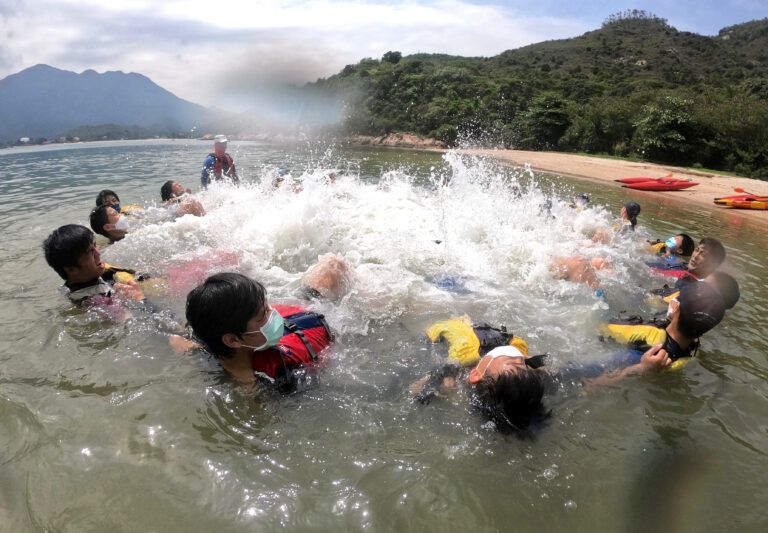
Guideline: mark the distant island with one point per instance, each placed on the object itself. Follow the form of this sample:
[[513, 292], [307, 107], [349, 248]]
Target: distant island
[[635, 88]]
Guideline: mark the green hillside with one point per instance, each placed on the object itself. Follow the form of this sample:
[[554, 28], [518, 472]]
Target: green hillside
[[635, 87]]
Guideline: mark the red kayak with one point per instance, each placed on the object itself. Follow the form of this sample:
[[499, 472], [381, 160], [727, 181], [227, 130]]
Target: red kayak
[[640, 179], [662, 185]]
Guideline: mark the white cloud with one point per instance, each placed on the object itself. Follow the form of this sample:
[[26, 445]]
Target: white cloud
[[200, 50]]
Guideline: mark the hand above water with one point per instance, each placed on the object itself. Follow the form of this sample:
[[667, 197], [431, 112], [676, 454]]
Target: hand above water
[[130, 290], [181, 345], [656, 358]]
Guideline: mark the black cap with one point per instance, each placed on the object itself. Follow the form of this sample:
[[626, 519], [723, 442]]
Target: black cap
[[701, 308]]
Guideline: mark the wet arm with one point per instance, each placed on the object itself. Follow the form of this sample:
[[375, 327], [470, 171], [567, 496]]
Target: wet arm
[[653, 360]]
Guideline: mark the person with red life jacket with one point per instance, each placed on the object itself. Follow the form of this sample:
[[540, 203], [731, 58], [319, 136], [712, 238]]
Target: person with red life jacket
[[219, 164], [252, 338]]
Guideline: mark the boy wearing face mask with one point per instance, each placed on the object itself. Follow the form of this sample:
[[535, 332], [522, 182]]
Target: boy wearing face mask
[[252, 338], [109, 222]]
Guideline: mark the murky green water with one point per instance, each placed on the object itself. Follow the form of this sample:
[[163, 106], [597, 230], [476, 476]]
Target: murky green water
[[103, 427]]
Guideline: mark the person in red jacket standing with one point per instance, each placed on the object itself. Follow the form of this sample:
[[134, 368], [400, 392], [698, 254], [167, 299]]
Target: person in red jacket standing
[[218, 165]]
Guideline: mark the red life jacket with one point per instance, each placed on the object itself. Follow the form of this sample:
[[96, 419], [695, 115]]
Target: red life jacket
[[223, 166], [305, 336]]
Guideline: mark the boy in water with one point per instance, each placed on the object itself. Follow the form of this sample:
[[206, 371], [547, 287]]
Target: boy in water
[[109, 222], [506, 385], [255, 340], [71, 251], [175, 196]]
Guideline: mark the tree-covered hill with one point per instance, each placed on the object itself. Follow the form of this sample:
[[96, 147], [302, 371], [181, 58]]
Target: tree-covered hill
[[634, 87]]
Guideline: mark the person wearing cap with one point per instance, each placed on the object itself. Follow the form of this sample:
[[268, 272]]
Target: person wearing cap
[[698, 308], [627, 223], [629, 213], [506, 384], [219, 164]]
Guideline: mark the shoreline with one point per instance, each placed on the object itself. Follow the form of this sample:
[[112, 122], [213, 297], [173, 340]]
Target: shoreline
[[601, 170]]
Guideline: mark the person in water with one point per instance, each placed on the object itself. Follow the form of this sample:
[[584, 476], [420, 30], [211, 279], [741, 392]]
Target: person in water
[[218, 165], [705, 259], [173, 191], [506, 384], [579, 269], [109, 222], [110, 198], [71, 251], [254, 340], [698, 308], [725, 284], [681, 245], [627, 223], [174, 195], [629, 214]]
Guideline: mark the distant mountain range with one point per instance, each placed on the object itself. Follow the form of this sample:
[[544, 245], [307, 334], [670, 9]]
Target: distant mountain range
[[43, 101]]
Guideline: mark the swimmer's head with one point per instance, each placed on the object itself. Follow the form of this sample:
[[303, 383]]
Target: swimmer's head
[[220, 144], [680, 244], [106, 221], [171, 189], [630, 211], [71, 252], [513, 399], [107, 197], [580, 200], [220, 309], [707, 257], [697, 309]]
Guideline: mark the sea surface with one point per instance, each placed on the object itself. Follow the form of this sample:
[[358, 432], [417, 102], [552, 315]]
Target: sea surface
[[104, 428]]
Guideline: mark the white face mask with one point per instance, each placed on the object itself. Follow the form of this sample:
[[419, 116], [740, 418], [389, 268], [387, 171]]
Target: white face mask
[[122, 223]]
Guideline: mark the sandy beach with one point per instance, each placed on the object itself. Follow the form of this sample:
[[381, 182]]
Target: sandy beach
[[606, 170]]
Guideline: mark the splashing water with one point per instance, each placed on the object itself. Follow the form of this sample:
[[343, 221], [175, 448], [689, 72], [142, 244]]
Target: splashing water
[[490, 232]]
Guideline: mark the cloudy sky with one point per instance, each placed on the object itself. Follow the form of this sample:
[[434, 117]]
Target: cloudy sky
[[215, 52]]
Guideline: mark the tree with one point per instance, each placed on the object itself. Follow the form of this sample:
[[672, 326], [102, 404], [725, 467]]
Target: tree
[[664, 130], [392, 57]]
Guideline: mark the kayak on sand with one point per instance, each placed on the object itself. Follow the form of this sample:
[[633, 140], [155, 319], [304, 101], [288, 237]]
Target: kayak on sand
[[661, 185]]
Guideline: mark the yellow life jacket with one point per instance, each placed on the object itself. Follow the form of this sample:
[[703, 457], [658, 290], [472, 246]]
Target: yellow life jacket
[[657, 248], [131, 209], [463, 340], [639, 335]]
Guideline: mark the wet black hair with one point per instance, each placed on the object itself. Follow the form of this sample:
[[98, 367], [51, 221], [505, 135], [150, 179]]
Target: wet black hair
[[633, 209], [166, 191], [103, 194], [98, 219], [715, 248], [687, 246], [65, 246], [728, 288], [701, 309], [223, 303], [513, 400]]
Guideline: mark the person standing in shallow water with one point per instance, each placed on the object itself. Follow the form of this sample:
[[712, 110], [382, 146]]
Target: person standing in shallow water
[[219, 164]]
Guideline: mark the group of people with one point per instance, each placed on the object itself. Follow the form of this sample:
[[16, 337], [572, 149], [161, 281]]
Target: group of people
[[254, 339]]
